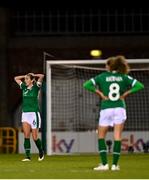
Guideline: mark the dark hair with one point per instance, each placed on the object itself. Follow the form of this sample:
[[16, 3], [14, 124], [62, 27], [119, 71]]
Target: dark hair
[[31, 76]]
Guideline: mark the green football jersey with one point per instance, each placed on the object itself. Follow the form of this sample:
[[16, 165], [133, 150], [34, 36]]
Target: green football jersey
[[30, 98], [113, 85]]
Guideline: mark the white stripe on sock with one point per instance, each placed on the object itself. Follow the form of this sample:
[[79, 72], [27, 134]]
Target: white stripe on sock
[[116, 153], [103, 151]]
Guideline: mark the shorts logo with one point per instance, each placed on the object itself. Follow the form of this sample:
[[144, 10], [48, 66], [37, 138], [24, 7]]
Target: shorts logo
[[34, 122]]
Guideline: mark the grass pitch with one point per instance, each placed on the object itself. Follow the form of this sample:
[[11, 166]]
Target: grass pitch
[[72, 167]]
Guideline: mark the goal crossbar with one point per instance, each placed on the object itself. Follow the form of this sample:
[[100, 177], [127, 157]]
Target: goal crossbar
[[58, 62]]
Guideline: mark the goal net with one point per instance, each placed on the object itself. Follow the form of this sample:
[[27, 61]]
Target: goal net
[[73, 112]]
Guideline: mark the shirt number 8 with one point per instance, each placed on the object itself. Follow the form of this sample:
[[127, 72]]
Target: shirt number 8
[[114, 94]]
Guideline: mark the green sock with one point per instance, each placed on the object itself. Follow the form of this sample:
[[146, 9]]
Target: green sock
[[27, 147], [116, 151], [39, 145], [102, 150]]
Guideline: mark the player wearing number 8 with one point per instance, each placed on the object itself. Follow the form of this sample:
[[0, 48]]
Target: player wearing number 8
[[112, 86]]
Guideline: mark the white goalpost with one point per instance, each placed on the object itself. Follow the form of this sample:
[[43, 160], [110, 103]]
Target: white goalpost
[[64, 79]]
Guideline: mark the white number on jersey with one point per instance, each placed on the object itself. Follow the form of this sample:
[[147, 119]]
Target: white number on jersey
[[114, 93]]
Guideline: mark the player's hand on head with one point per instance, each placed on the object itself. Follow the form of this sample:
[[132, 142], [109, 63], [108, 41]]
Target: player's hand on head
[[32, 74]]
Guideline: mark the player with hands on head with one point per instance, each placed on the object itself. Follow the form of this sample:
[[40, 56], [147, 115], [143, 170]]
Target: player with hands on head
[[31, 120]]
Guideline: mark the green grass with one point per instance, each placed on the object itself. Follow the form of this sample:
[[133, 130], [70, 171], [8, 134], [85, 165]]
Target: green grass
[[72, 167]]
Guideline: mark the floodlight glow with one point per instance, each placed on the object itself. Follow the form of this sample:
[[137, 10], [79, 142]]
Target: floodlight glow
[[96, 53]]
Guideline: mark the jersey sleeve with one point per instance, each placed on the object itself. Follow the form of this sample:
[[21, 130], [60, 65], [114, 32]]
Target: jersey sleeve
[[137, 87], [96, 80], [39, 84], [22, 85], [135, 84], [91, 85], [130, 80]]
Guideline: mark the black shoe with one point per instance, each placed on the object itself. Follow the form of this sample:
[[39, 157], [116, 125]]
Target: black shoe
[[41, 156]]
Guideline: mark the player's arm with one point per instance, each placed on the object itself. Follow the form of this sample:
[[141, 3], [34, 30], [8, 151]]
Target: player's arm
[[89, 85], [18, 79], [40, 78], [135, 88], [100, 94]]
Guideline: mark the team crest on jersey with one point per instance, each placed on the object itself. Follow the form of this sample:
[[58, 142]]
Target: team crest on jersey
[[25, 92]]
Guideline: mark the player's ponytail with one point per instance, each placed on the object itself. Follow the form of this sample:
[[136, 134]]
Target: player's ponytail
[[110, 63], [121, 65]]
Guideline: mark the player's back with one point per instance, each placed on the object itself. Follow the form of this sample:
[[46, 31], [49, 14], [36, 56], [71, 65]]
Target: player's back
[[113, 85]]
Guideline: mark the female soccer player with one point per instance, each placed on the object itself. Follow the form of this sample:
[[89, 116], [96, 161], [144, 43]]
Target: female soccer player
[[114, 86], [31, 120]]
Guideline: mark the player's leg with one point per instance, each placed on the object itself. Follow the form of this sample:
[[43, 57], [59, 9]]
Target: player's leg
[[102, 131], [118, 128], [27, 145], [35, 129], [120, 117], [38, 143]]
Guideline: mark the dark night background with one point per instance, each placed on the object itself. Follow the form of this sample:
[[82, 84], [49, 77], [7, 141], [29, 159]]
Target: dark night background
[[66, 33]]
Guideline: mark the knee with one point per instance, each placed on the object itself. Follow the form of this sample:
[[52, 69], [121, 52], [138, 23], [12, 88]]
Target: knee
[[101, 134], [117, 137], [27, 135], [35, 137]]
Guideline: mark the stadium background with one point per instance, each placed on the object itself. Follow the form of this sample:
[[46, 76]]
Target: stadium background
[[27, 32]]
